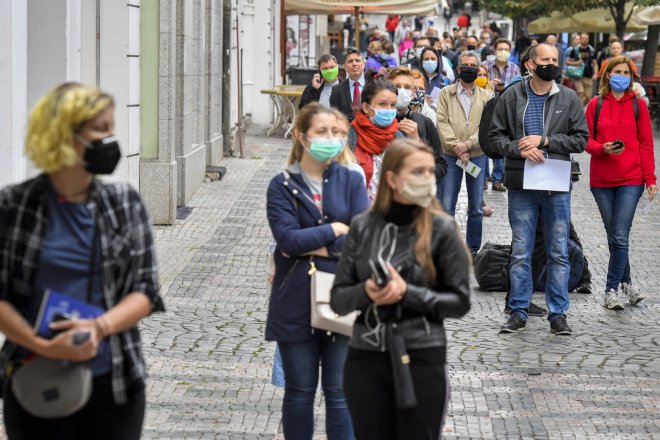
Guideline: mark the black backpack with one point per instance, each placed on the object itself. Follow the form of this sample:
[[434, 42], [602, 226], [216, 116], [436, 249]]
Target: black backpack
[[484, 128], [491, 266]]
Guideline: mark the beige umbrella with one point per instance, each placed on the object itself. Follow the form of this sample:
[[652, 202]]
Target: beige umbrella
[[648, 16], [593, 20], [601, 20], [386, 7], [557, 22]]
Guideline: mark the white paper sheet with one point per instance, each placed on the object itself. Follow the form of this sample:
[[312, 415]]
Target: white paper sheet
[[470, 168], [435, 94], [647, 207], [550, 175]]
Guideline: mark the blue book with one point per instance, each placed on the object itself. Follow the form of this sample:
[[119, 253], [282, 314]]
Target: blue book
[[57, 303]]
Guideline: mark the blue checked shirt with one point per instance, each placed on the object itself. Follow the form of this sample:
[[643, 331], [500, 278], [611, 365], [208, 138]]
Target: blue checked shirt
[[506, 75], [129, 262]]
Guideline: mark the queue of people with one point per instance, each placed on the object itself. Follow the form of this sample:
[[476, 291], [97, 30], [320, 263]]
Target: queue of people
[[408, 183], [368, 195]]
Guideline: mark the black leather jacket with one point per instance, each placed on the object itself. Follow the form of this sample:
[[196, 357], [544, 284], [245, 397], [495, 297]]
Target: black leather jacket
[[421, 311]]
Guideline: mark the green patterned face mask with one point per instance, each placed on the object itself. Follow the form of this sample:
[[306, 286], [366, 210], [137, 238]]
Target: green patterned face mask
[[330, 75]]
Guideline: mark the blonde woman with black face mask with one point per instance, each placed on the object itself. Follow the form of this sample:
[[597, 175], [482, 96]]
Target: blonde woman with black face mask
[[405, 267], [67, 234]]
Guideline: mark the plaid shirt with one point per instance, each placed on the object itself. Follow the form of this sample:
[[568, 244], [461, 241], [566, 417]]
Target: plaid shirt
[[510, 71], [129, 263]]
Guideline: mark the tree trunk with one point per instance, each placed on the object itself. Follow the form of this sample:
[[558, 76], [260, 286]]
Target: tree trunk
[[648, 68], [620, 18]]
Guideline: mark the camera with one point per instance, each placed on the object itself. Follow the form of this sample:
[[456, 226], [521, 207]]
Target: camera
[[404, 113]]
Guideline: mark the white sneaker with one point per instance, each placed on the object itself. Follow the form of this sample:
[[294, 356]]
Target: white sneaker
[[612, 301], [632, 292]]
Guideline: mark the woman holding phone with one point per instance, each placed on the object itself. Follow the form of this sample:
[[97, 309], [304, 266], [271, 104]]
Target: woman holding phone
[[405, 266], [622, 166]]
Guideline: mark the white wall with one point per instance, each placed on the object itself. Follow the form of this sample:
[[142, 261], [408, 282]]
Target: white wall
[[257, 26], [13, 90]]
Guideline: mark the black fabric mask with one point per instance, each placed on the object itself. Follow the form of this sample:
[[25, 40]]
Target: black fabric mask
[[547, 72], [102, 156], [471, 47], [469, 74]]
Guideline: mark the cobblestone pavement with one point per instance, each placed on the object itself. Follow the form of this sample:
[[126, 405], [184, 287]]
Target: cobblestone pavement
[[210, 368]]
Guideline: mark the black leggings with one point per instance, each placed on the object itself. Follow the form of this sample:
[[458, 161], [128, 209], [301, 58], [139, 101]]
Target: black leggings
[[369, 392], [100, 419]]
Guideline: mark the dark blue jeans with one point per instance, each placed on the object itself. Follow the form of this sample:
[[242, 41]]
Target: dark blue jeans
[[524, 209], [301, 372], [498, 170], [451, 186], [617, 206]]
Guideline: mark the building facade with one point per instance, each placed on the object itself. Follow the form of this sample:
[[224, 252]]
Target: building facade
[[172, 66]]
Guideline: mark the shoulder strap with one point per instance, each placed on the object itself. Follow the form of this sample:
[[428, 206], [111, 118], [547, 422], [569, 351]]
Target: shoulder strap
[[636, 109], [598, 107]]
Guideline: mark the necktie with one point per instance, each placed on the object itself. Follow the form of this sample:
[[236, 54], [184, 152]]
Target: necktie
[[356, 96]]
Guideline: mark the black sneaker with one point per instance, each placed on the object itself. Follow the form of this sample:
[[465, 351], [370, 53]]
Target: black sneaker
[[558, 326], [534, 310], [583, 288], [514, 324]]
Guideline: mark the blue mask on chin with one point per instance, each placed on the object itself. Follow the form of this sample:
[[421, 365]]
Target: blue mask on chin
[[383, 117]]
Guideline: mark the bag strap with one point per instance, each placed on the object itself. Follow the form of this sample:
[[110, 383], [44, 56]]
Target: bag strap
[[90, 279], [636, 109], [598, 107]]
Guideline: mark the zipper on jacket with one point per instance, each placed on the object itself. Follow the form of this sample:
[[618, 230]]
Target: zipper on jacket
[[288, 274]]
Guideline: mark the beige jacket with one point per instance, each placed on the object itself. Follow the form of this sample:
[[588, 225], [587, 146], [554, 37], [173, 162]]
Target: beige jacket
[[452, 125]]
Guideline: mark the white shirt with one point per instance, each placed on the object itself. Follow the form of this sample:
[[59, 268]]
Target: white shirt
[[325, 93]]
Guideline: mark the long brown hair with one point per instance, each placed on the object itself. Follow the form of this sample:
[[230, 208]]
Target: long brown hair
[[615, 61], [395, 155]]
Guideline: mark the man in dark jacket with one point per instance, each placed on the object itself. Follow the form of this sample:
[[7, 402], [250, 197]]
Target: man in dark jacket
[[536, 125], [322, 82], [346, 96]]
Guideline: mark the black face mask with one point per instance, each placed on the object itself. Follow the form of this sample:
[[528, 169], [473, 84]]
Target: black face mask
[[471, 47], [547, 72], [469, 74], [102, 156]]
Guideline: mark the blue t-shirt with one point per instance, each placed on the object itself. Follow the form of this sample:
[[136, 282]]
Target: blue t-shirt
[[64, 264], [534, 113]]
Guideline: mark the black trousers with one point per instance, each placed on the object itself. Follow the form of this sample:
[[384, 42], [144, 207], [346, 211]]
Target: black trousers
[[100, 419], [369, 392]]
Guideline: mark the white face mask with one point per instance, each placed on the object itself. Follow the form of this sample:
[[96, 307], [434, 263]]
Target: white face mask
[[419, 191], [403, 98]]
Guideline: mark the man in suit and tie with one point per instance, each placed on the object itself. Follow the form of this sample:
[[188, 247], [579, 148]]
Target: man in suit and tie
[[346, 96]]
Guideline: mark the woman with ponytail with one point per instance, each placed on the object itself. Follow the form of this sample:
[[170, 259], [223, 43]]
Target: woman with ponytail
[[404, 265]]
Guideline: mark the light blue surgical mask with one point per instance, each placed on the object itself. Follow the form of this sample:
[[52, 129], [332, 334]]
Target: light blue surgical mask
[[430, 66], [619, 83], [383, 117], [324, 149]]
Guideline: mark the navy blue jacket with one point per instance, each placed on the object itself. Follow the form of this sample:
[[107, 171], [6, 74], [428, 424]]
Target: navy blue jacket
[[298, 228]]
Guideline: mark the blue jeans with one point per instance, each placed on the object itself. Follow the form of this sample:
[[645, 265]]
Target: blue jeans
[[524, 209], [451, 186], [498, 170], [301, 371], [617, 208]]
